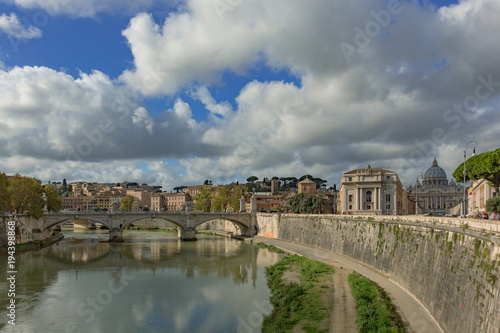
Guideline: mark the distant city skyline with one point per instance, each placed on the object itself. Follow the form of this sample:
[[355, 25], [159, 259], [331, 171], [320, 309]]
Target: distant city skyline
[[172, 93]]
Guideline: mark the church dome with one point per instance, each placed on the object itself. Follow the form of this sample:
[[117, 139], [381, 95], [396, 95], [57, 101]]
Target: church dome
[[435, 172]]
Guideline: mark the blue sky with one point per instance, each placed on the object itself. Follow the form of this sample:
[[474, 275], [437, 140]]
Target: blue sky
[[176, 92]]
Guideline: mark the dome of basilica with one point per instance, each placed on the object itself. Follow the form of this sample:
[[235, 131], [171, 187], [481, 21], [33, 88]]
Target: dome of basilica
[[435, 172]]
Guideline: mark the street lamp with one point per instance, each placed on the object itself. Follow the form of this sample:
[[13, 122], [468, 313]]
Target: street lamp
[[421, 175], [473, 145], [383, 199]]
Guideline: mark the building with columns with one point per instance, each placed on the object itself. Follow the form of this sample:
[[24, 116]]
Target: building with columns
[[435, 195], [372, 191]]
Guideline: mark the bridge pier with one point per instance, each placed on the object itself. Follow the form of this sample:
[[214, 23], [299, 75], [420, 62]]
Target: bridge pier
[[186, 221], [116, 235], [188, 234]]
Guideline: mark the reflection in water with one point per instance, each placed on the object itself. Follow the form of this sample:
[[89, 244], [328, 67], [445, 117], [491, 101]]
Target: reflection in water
[[151, 283]]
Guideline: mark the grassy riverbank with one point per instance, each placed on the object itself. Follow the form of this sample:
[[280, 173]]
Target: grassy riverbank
[[271, 248], [301, 294], [375, 311]]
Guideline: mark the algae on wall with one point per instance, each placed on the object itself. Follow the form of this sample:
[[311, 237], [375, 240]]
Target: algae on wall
[[453, 272]]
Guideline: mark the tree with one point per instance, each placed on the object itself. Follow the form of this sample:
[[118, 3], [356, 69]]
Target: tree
[[304, 177], [221, 199], [4, 194], [26, 196], [482, 166], [236, 193], [252, 179], [319, 182], [53, 202], [304, 203], [203, 200], [127, 203], [493, 205]]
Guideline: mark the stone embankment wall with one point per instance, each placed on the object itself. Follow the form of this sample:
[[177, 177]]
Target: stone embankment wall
[[451, 268], [28, 231]]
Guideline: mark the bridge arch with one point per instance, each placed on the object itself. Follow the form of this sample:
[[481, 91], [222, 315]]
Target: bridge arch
[[178, 223], [185, 221], [243, 226], [50, 223]]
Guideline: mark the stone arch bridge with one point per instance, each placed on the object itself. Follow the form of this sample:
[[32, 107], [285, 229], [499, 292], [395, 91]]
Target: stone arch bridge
[[186, 221]]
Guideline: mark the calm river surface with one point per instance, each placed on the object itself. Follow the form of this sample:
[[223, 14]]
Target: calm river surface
[[151, 283]]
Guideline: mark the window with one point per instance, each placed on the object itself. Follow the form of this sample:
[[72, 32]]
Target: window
[[388, 197], [350, 206], [368, 207], [350, 197], [349, 179], [388, 206], [369, 196]]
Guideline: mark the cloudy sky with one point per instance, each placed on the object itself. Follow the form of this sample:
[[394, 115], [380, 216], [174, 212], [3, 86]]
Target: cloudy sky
[[173, 92]]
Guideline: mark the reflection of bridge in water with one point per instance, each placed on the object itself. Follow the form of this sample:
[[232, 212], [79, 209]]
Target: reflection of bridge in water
[[186, 222], [226, 257]]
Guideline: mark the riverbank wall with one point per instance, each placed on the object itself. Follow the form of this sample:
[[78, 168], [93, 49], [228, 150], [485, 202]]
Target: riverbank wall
[[451, 266], [27, 236]]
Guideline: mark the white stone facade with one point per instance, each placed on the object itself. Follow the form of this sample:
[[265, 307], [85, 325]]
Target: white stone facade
[[372, 191]]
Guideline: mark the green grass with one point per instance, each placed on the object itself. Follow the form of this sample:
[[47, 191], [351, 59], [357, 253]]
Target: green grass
[[271, 248], [375, 311], [209, 233], [298, 303]]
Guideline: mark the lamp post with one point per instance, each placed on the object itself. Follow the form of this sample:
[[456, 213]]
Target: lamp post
[[421, 175], [383, 199], [473, 145]]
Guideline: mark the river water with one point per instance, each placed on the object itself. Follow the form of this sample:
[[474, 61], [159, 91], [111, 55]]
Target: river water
[[151, 283]]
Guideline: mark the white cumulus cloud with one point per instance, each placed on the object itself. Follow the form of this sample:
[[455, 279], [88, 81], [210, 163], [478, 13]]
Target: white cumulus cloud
[[88, 8], [12, 26], [418, 81]]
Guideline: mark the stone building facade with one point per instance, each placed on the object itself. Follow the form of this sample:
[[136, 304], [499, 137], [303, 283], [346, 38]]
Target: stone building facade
[[479, 192], [307, 186], [170, 202], [372, 191]]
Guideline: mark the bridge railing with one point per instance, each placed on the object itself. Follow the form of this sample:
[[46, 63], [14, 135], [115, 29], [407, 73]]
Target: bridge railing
[[140, 212]]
